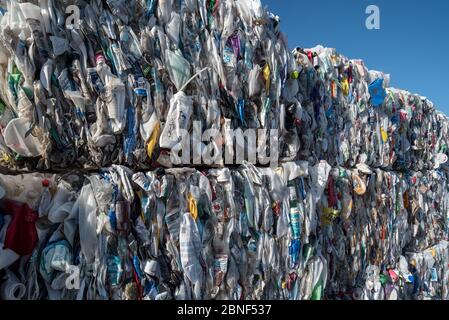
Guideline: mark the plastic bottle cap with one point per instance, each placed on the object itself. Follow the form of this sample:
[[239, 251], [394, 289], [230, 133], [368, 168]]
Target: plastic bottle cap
[[295, 74], [45, 183], [99, 57]]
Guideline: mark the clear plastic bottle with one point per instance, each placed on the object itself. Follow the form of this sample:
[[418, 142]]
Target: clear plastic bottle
[[294, 211]]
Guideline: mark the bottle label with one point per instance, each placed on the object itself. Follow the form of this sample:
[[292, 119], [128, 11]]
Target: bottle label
[[295, 222]]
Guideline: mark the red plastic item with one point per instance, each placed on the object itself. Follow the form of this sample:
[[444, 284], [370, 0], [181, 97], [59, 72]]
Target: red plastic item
[[21, 235]]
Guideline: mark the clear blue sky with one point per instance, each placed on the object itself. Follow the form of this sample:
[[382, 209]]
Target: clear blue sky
[[412, 43]]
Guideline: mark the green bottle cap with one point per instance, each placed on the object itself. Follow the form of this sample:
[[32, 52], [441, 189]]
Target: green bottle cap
[[295, 74]]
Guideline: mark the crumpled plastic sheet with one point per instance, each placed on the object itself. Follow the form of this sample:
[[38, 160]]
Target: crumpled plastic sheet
[[296, 232], [113, 90]]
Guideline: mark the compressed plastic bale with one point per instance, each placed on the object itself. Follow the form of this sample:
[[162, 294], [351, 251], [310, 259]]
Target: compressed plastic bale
[[355, 126], [234, 221], [134, 57]]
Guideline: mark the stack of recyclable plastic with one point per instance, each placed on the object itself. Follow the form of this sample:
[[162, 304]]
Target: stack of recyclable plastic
[[121, 84], [348, 117], [386, 194], [295, 232], [357, 207]]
